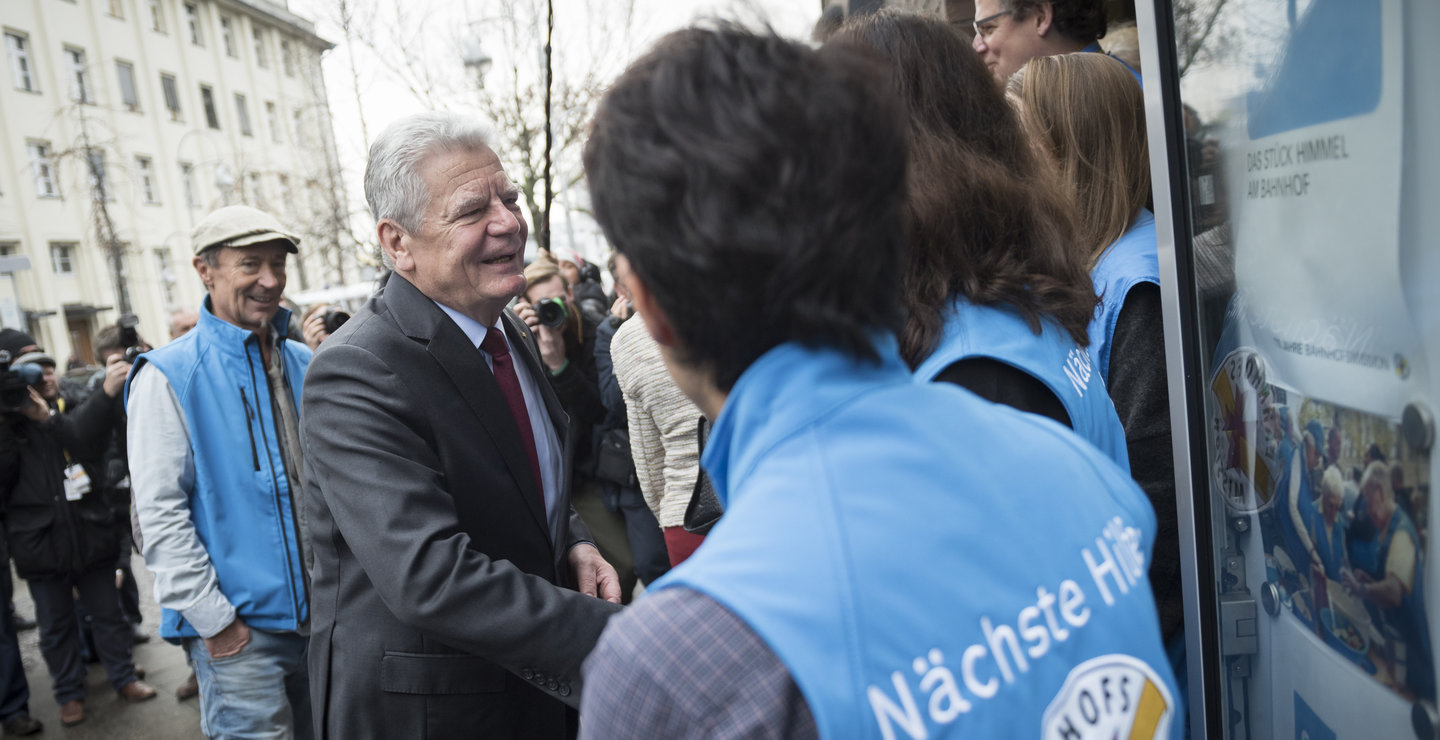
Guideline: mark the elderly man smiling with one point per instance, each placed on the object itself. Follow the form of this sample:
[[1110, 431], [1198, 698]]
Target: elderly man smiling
[[215, 470]]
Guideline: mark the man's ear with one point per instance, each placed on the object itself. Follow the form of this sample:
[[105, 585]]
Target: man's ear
[[395, 245], [202, 268], [1044, 19], [656, 321]]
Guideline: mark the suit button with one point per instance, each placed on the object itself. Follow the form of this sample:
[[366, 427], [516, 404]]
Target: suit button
[[553, 684], [527, 674], [564, 689]]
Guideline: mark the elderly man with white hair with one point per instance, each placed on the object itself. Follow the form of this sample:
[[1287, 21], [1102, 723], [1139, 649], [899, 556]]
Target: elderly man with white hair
[[454, 587]]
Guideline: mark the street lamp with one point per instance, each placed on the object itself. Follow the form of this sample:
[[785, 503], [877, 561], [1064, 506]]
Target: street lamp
[[476, 60]]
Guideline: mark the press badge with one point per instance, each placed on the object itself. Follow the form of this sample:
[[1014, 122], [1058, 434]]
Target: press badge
[[77, 482]]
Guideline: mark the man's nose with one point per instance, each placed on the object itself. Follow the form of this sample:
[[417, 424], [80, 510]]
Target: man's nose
[[271, 278], [506, 222], [978, 44]]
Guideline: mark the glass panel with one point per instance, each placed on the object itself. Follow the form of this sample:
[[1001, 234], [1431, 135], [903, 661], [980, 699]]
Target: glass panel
[[1302, 190]]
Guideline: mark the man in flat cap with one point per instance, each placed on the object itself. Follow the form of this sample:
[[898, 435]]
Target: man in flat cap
[[215, 470]]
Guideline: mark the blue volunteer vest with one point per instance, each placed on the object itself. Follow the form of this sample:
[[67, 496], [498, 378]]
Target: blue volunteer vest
[[241, 505], [1131, 260], [899, 549], [1052, 357]]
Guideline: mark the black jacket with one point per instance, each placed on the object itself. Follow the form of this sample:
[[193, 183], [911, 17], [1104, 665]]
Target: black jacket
[[50, 536]]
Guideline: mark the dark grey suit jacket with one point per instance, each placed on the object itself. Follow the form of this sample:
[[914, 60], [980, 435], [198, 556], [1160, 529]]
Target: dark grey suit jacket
[[440, 604]]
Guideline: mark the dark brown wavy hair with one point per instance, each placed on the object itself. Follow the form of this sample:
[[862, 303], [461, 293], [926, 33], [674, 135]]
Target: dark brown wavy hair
[[985, 219]]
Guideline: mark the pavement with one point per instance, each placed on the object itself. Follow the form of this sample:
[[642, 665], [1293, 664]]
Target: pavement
[[107, 716]]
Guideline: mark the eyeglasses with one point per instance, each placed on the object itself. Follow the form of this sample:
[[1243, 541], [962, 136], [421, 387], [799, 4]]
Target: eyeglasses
[[987, 25]]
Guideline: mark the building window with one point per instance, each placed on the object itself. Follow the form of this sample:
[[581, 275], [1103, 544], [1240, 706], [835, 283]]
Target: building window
[[157, 16], [299, 120], [7, 249], [62, 258], [116, 8], [252, 186], [172, 96], [17, 46], [272, 119], [260, 56], [207, 98], [192, 19], [44, 169], [227, 35], [187, 184], [242, 110], [286, 192], [166, 271], [287, 57], [95, 163], [79, 80], [126, 72], [146, 169]]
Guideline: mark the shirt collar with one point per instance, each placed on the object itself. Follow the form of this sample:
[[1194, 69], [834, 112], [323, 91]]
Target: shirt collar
[[473, 329]]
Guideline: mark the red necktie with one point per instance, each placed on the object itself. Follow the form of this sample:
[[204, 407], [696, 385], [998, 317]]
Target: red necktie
[[494, 345]]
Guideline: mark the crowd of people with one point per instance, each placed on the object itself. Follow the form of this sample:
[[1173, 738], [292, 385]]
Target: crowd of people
[[875, 411]]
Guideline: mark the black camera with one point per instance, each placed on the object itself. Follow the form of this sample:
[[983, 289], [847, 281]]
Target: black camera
[[129, 338], [551, 312], [15, 383], [333, 319]]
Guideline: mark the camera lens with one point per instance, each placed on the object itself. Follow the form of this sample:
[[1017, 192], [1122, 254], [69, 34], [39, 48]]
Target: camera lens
[[551, 313], [333, 320]]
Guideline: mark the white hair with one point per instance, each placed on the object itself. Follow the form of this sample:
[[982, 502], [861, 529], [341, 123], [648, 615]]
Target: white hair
[[394, 188]]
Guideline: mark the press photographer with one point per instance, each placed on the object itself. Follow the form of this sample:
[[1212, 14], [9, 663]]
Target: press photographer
[[566, 337], [61, 529]]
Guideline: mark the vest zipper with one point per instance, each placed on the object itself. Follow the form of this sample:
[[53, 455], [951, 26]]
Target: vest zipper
[[254, 453], [274, 483]]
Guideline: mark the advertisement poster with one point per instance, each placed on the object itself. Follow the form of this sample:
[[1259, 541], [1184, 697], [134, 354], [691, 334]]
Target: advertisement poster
[[1315, 378], [1314, 175], [1342, 500]]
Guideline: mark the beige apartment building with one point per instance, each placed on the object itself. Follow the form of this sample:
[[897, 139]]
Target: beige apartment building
[[122, 123]]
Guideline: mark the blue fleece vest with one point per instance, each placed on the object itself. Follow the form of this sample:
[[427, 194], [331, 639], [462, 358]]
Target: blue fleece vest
[[1052, 357], [1131, 260], [241, 505], [927, 564]]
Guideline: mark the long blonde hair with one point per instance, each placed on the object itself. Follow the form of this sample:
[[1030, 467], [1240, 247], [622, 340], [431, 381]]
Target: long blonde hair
[[1086, 112]]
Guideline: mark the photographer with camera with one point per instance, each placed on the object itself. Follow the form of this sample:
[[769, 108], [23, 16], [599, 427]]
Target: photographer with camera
[[566, 337], [322, 320], [61, 530], [121, 340]]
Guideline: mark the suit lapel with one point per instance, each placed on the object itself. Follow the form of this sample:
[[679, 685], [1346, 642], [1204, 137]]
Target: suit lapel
[[420, 318]]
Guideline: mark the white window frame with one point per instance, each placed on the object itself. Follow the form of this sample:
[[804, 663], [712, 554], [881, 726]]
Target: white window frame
[[145, 169], [262, 59], [96, 175], [76, 73], [187, 185], [43, 168], [116, 9], [287, 56], [22, 66], [171, 93], [164, 268], [227, 36], [157, 17], [130, 97], [192, 20], [242, 111], [62, 258], [212, 113], [272, 119]]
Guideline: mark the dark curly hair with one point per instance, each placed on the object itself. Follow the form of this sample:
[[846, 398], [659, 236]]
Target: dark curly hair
[[985, 219], [1082, 20], [755, 186]]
